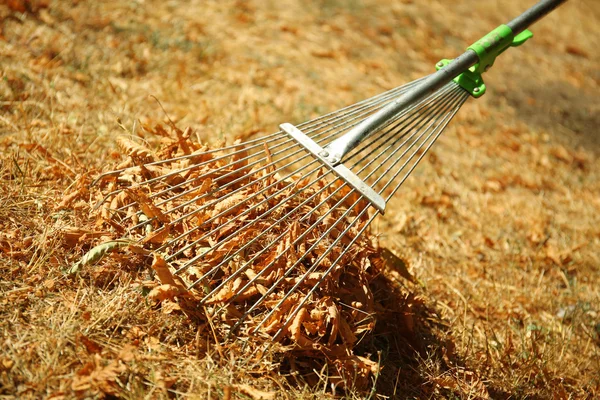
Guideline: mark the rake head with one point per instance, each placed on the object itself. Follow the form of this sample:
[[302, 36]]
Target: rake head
[[265, 224]]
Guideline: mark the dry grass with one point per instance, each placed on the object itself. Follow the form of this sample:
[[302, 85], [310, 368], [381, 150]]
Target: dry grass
[[499, 228]]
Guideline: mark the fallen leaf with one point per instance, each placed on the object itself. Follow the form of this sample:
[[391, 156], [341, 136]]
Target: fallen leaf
[[164, 292], [91, 346], [255, 394], [134, 149], [159, 265], [96, 253]]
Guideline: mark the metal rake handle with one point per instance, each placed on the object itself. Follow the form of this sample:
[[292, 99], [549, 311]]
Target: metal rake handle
[[336, 150]]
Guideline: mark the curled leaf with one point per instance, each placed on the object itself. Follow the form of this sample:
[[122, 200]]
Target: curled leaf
[[159, 265], [96, 254]]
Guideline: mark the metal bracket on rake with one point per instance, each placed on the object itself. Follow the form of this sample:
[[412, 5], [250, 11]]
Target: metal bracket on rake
[[487, 49], [340, 170]]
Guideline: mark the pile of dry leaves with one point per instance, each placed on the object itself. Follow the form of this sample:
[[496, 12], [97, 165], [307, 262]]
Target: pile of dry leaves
[[210, 217]]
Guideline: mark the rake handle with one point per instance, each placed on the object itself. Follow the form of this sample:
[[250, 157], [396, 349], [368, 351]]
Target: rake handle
[[532, 15], [337, 149]]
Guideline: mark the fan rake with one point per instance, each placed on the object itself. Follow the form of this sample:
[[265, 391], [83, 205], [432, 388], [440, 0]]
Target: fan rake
[[270, 221]]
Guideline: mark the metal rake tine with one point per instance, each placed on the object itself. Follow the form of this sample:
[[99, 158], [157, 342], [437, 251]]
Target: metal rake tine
[[228, 210], [433, 127], [149, 221], [440, 130], [345, 125], [179, 158], [266, 213], [414, 108], [291, 269], [241, 269], [199, 178], [417, 119], [311, 269], [248, 263], [432, 116], [401, 125], [325, 274], [436, 132], [312, 124], [374, 101], [259, 217], [225, 212], [212, 192], [146, 222], [334, 263], [316, 263]]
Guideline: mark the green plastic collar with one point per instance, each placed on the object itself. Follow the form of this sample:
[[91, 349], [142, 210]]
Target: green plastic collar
[[487, 49]]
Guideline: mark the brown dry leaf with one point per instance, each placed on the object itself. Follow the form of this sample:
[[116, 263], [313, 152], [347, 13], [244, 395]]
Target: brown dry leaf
[[270, 167], [98, 378], [164, 292], [553, 254], [229, 205], [91, 346], [333, 319], [134, 149], [127, 353], [227, 292], [200, 156], [133, 174], [159, 236], [354, 372], [493, 185], [6, 364], [576, 51], [147, 206], [275, 321], [346, 332], [70, 198], [17, 5], [239, 159], [398, 264], [437, 201], [255, 394], [183, 139], [310, 279], [40, 149], [118, 201], [464, 383], [159, 265], [295, 329], [168, 307], [50, 284], [72, 234], [204, 187]]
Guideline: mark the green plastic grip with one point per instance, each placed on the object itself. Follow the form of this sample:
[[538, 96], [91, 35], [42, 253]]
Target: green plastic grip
[[487, 49]]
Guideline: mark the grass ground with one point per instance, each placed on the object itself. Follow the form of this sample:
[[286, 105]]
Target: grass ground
[[499, 228]]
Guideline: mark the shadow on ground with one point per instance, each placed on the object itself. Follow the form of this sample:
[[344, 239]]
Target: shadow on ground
[[417, 350], [562, 110], [414, 343]]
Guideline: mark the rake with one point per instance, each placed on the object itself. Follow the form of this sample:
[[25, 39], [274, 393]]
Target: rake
[[271, 214]]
